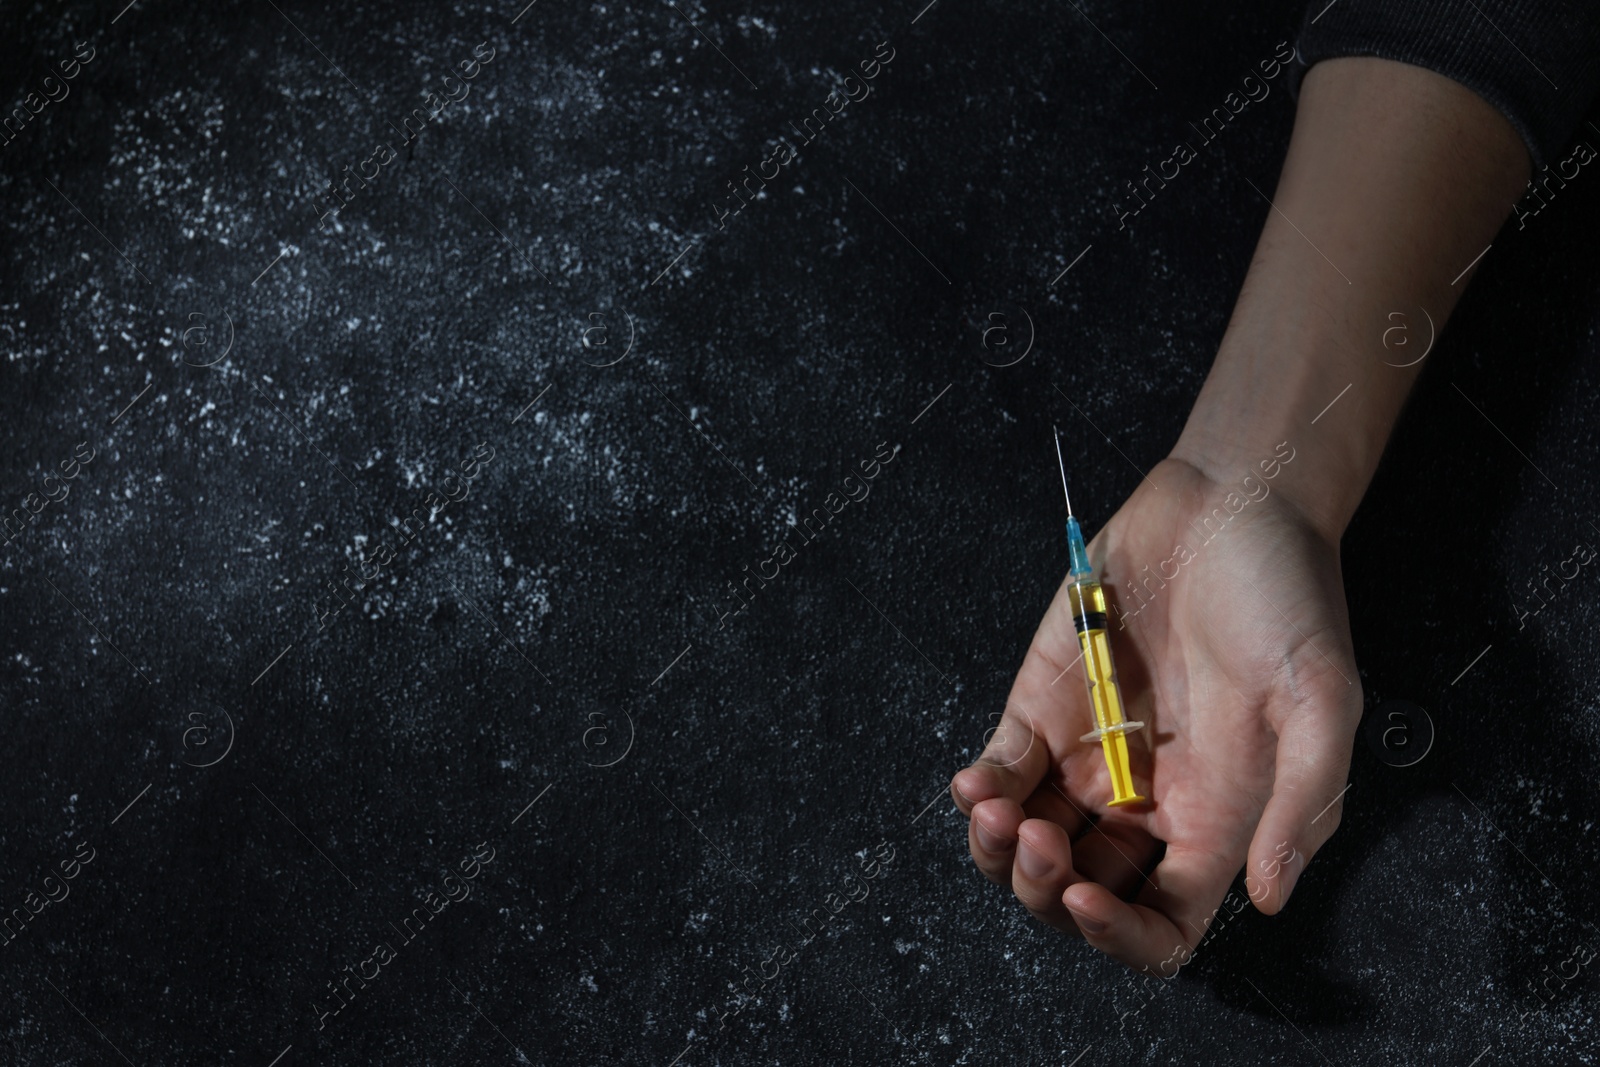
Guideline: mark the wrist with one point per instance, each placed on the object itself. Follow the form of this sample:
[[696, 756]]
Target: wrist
[[1317, 433], [1284, 468], [1395, 177]]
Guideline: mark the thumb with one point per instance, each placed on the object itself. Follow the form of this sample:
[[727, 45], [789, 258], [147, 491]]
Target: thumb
[[1012, 765]]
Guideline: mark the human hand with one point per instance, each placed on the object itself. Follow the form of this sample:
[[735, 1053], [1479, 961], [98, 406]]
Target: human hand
[[1241, 667]]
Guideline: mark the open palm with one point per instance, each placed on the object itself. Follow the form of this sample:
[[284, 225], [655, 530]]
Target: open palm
[[1239, 662]]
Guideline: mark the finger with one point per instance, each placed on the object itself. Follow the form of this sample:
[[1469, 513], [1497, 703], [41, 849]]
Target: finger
[[1172, 913], [1012, 764], [1307, 796], [1048, 802], [1043, 870], [1117, 855], [992, 838]]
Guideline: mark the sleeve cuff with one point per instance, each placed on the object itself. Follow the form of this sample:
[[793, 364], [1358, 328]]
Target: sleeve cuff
[[1536, 61]]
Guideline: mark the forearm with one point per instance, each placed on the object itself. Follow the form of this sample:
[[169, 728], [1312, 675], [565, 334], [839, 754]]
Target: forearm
[[1395, 179]]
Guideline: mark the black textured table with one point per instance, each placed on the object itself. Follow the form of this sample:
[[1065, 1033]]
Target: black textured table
[[513, 515]]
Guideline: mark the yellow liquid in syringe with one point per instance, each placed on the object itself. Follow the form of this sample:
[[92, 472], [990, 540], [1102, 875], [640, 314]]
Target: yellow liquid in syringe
[[1088, 603]]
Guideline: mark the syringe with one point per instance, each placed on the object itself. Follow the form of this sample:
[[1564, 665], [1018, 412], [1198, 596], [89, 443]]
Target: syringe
[[1088, 603]]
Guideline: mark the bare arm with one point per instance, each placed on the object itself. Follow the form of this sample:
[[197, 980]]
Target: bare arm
[[1236, 649], [1396, 179]]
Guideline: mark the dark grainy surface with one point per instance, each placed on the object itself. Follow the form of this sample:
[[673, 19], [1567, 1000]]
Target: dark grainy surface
[[167, 610]]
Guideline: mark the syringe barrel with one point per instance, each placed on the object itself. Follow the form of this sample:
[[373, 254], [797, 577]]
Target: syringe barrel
[[1088, 603]]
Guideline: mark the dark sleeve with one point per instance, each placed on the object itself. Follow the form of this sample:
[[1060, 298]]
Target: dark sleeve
[[1537, 61]]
